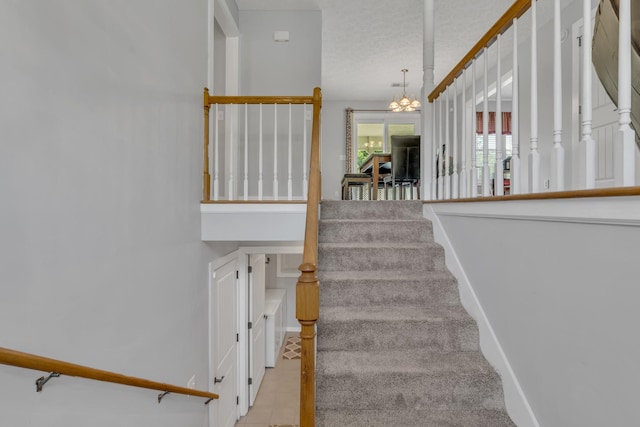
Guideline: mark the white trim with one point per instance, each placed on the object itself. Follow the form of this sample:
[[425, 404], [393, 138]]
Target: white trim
[[515, 400], [294, 329], [253, 208]]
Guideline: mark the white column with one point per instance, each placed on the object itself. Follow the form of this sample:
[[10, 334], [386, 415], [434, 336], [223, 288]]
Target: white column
[[440, 156], [447, 149], [485, 128], [626, 144], [557, 157], [260, 160], [428, 113], [474, 124], [534, 156], [275, 151], [465, 143], [454, 177], [216, 155], [289, 161], [587, 140], [499, 191], [246, 153], [515, 116]]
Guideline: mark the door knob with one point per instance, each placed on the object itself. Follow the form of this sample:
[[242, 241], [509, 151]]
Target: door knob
[[216, 380]]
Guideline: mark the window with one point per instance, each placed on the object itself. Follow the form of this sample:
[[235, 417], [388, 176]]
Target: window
[[375, 129], [492, 154]]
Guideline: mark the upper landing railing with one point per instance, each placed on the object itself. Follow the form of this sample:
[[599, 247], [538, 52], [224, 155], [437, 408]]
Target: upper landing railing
[[58, 367], [473, 119], [246, 142], [256, 148]]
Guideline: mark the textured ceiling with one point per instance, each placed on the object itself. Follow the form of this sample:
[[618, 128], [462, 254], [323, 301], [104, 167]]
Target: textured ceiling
[[365, 43]]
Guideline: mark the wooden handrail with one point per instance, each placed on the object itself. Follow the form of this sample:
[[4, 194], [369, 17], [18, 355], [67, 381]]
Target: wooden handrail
[[39, 363], [517, 9], [308, 286], [260, 100], [573, 194]]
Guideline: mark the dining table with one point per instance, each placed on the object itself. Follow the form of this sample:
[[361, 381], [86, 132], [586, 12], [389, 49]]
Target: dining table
[[374, 165]]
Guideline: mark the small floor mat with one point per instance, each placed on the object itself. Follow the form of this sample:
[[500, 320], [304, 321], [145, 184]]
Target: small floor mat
[[291, 351]]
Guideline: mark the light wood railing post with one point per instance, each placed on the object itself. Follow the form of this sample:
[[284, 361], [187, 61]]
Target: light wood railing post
[[206, 178], [307, 312]]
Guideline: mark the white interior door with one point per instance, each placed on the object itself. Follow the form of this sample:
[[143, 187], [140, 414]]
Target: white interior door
[[224, 345], [257, 340]]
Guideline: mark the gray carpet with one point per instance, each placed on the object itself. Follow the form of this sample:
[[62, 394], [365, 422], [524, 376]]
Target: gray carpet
[[395, 346]]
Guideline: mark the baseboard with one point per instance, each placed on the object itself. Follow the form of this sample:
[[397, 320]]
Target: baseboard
[[515, 400], [294, 329]]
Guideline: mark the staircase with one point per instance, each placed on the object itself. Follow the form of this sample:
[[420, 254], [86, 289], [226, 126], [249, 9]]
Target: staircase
[[395, 346]]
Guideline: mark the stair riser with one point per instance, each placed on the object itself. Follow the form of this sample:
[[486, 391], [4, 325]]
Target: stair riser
[[374, 418], [382, 292], [375, 232], [384, 335], [429, 258], [371, 210], [438, 392]]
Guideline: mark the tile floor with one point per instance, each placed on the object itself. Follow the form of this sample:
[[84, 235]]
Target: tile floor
[[278, 400]]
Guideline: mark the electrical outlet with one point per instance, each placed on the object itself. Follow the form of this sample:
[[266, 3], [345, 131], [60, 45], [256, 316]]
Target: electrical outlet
[[192, 382], [547, 183]]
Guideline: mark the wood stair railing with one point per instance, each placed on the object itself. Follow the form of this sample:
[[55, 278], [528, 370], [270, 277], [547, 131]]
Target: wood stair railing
[[308, 286], [58, 367]]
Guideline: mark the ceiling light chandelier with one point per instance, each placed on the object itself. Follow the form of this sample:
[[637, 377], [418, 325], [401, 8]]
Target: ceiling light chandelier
[[404, 104]]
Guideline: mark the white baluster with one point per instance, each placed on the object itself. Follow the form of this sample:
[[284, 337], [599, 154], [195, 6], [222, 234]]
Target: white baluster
[[499, 181], [305, 160], [231, 122], [454, 178], [515, 116], [289, 159], [557, 160], [246, 152], [534, 156], [275, 151], [434, 144], [260, 159], [447, 149], [465, 143], [485, 128], [474, 124], [440, 156], [216, 155], [626, 138], [587, 140]]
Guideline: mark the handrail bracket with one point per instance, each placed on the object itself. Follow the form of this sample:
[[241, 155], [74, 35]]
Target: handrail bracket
[[42, 380]]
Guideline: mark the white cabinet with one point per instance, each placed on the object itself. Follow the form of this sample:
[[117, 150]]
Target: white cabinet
[[275, 312]]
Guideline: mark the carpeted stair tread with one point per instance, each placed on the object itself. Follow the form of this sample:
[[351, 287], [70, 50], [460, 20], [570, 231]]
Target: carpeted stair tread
[[375, 231], [440, 313], [378, 245], [387, 209], [399, 362], [440, 287], [412, 418], [385, 275]]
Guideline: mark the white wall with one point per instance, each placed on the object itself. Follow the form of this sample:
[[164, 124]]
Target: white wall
[[100, 177], [557, 281], [280, 68], [288, 283]]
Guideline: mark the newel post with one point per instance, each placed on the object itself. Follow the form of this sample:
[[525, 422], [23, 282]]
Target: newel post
[[307, 312], [206, 178]]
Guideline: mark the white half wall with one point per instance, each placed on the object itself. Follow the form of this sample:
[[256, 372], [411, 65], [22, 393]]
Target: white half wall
[[556, 284]]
